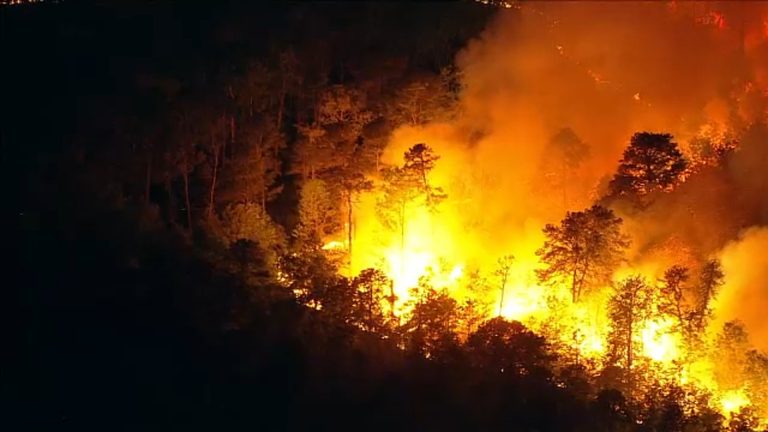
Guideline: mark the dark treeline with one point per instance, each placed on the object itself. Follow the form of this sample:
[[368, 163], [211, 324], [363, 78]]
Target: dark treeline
[[155, 155]]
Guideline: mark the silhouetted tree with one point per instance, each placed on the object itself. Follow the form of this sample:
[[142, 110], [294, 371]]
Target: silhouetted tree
[[253, 173], [565, 152], [421, 100], [730, 355], [398, 197], [502, 272], [371, 288], [351, 183], [711, 278], [652, 162], [583, 251], [672, 302], [501, 346], [430, 329], [248, 221], [419, 160], [317, 214], [627, 310]]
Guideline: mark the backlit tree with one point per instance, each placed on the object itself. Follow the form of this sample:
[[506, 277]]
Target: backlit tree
[[583, 251], [652, 162], [502, 272], [628, 309]]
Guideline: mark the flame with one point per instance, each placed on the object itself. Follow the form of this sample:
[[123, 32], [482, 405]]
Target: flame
[[334, 245], [659, 342], [734, 400], [493, 208]]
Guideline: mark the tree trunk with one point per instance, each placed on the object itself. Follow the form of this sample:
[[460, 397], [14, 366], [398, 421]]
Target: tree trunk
[[281, 107], [349, 226], [370, 307], [503, 288], [171, 200], [402, 240], [212, 193], [629, 355], [574, 293], [392, 299], [148, 179], [263, 197], [186, 197]]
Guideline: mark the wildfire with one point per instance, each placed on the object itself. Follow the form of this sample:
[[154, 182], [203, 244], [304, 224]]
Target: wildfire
[[435, 247], [734, 400], [660, 343], [334, 245]]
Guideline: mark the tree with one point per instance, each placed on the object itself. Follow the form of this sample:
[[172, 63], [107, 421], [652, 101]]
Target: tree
[[370, 288], [731, 347], [317, 215], [402, 188], [711, 278], [340, 105], [218, 137], [627, 310], [564, 153], [419, 161], [756, 372], [251, 90], [351, 184], [672, 301], [503, 268], [430, 329], [476, 306], [583, 251], [182, 153], [711, 146], [501, 346], [652, 162], [256, 168], [290, 80], [398, 195], [248, 221], [312, 152], [424, 99]]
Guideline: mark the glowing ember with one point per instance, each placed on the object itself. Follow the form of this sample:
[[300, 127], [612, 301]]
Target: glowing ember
[[334, 245]]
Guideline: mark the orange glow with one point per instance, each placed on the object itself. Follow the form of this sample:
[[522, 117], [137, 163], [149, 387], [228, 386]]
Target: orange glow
[[498, 200], [733, 400], [659, 341]]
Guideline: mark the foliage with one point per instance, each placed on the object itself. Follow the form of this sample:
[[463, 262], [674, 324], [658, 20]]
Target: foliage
[[317, 215], [652, 162], [371, 287], [711, 278], [501, 346], [583, 251], [419, 160], [502, 272], [256, 166], [672, 302], [248, 221], [629, 307], [424, 99], [430, 330]]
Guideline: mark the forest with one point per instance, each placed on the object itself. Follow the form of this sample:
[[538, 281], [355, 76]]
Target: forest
[[464, 215]]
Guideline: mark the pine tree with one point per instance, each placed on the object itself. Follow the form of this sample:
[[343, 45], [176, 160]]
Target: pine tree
[[583, 251]]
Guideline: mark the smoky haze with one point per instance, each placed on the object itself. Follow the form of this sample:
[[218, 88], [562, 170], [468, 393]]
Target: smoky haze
[[607, 70]]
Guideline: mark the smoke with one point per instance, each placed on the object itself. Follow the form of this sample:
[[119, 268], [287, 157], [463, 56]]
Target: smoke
[[605, 70], [745, 294]]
